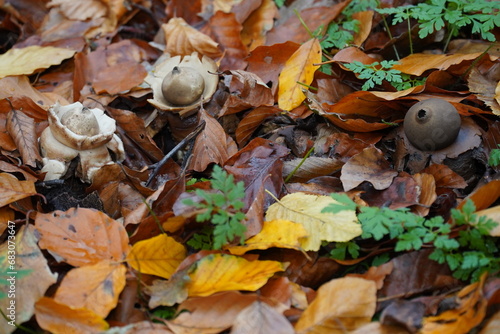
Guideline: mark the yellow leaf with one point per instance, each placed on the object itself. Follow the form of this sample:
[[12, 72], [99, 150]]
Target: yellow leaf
[[298, 69], [160, 256], [95, 287], [275, 233], [341, 305], [29, 59], [221, 272], [306, 209], [61, 319]]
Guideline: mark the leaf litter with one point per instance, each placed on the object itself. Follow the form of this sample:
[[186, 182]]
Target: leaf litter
[[310, 101]]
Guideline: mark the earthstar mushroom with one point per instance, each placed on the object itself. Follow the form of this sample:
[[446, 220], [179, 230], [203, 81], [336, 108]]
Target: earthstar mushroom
[[75, 130], [180, 84], [432, 124]]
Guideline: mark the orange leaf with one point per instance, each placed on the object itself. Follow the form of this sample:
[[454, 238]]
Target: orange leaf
[[30, 286], [275, 233], [82, 236], [298, 70], [160, 256], [418, 63], [469, 313], [22, 130], [182, 39], [341, 305], [95, 287], [221, 272], [258, 23], [59, 318], [259, 317], [11, 189]]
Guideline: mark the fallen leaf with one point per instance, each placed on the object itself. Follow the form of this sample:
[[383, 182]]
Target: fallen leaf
[[212, 145], [445, 177], [492, 325], [252, 121], [298, 71], [365, 26], [494, 214], [378, 328], [470, 312], [82, 236], [310, 168], [11, 189], [221, 272], [275, 233], [485, 89], [28, 60], [258, 24], [376, 274], [160, 256], [22, 130], [484, 195], [340, 304], [59, 318], [212, 314], [169, 293], [418, 63], [261, 318], [94, 287], [370, 165], [182, 39], [321, 226], [32, 276]]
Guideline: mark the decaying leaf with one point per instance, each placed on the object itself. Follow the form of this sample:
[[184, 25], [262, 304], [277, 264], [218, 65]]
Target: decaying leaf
[[59, 318], [321, 226], [297, 74], [22, 130], [31, 272], [261, 318], [11, 189], [158, 256], [341, 304], [94, 287], [82, 236]]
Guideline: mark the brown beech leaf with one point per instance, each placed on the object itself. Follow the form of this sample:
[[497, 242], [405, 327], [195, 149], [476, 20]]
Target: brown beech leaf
[[11, 189], [485, 89], [254, 216], [445, 177], [259, 317], [136, 130], [427, 185], [246, 90], [484, 195], [94, 287], [252, 121], [403, 192], [112, 68], [418, 63], [294, 30], [22, 130], [19, 91], [376, 274], [182, 39], [267, 62], [212, 314], [378, 328], [258, 24], [6, 215], [365, 26], [26, 171], [225, 30], [212, 145], [369, 165], [257, 164], [59, 318], [32, 285], [82, 236], [341, 304], [310, 168], [298, 71]]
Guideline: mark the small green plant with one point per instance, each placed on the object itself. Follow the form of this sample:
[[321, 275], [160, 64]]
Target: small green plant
[[279, 3], [468, 255], [433, 15], [494, 159], [222, 208], [375, 73]]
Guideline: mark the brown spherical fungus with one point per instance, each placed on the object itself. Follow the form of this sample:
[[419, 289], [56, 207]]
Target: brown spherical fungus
[[432, 124], [183, 86]]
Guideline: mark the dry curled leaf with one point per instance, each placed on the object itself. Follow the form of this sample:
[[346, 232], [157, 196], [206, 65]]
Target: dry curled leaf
[[22, 130]]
